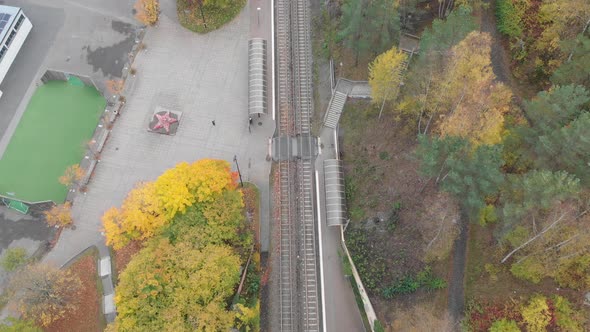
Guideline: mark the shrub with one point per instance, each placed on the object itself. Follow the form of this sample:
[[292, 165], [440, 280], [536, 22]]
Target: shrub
[[509, 18], [383, 155], [59, 215], [536, 314], [566, 318], [147, 11], [487, 215], [504, 325], [13, 259], [575, 273], [209, 16]]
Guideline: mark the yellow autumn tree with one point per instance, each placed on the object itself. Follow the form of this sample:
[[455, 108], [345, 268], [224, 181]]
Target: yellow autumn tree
[[147, 11], [476, 103], [112, 221], [536, 314], [59, 215], [172, 190], [385, 74], [141, 214], [151, 205], [209, 177], [71, 175], [177, 287]]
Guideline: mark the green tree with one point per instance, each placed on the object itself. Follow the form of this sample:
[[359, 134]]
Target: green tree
[[446, 33], [468, 174], [556, 107], [13, 259], [369, 25], [531, 195], [567, 148], [576, 69]]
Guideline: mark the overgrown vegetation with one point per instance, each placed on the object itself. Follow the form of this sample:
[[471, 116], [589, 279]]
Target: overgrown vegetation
[[516, 166], [203, 16]]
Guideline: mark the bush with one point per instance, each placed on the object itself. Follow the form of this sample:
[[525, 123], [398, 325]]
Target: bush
[[212, 15], [13, 259], [504, 325], [410, 284], [509, 18], [487, 215], [147, 11], [566, 318]]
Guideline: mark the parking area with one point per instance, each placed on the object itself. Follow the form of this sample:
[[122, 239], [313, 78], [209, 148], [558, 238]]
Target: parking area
[[88, 37]]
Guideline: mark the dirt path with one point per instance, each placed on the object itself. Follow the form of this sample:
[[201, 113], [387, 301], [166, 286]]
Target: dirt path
[[456, 286], [500, 56]]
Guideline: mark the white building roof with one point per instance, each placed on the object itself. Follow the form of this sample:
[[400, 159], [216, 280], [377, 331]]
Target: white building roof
[[7, 16]]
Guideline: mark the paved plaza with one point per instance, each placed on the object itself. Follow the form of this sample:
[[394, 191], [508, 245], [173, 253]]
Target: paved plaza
[[205, 78]]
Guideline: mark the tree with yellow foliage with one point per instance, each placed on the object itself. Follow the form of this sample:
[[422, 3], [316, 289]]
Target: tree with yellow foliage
[[536, 314], [147, 11], [385, 74], [176, 287], [152, 205], [59, 215], [475, 103], [140, 216], [72, 175]]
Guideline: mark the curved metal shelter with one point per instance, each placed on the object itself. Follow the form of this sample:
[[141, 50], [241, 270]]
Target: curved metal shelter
[[334, 186], [257, 76]]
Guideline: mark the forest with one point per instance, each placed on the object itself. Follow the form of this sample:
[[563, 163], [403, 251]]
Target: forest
[[475, 150]]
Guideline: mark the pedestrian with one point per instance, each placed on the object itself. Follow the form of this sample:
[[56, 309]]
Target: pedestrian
[[213, 122]]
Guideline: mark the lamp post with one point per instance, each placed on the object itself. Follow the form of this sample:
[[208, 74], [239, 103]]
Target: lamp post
[[239, 173], [258, 13]]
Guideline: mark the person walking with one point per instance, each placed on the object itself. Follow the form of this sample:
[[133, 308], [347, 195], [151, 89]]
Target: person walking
[[213, 122]]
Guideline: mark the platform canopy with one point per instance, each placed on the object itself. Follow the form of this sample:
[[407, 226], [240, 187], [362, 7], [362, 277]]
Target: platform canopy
[[257, 76], [335, 199]]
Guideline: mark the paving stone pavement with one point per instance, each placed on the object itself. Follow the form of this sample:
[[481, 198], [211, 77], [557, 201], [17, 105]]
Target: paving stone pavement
[[205, 78]]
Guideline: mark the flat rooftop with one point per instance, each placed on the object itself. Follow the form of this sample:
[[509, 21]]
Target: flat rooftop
[[7, 17]]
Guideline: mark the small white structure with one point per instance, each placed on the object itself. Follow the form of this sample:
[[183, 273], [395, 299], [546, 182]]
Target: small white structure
[[14, 29], [105, 266]]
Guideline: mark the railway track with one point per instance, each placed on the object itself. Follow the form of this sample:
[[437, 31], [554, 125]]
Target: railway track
[[298, 284]]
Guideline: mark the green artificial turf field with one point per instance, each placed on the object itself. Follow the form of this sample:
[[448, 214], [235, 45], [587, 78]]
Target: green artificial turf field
[[50, 136]]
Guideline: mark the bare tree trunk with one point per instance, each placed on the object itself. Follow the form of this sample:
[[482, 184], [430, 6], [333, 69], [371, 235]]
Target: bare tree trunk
[[442, 222], [534, 237], [428, 124]]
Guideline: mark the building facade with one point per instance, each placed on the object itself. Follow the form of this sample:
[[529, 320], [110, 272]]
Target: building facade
[[14, 29]]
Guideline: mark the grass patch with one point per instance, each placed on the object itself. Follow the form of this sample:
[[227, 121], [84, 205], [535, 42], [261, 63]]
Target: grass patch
[[210, 18], [50, 136]]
